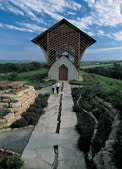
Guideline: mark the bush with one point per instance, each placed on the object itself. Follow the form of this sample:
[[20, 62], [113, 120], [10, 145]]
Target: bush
[[84, 141], [19, 123], [75, 82], [14, 162], [3, 113], [21, 67], [76, 108], [41, 100], [31, 117], [12, 77]]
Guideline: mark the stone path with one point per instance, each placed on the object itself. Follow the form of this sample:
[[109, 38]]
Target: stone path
[[53, 143]]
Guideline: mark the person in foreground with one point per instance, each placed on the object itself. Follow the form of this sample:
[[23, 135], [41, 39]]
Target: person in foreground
[[53, 87], [57, 85]]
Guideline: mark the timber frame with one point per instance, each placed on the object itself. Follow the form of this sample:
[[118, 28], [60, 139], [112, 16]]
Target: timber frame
[[64, 39]]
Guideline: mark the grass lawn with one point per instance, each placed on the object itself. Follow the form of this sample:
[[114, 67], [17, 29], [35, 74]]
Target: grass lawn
[[110, 81], [33, 78], [107, 88], [31, 74]]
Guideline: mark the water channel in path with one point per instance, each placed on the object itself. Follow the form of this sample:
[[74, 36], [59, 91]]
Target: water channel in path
[[55, 164]]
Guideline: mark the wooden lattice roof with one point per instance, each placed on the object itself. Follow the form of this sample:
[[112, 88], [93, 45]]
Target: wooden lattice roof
[[41, 39], [62, 38]]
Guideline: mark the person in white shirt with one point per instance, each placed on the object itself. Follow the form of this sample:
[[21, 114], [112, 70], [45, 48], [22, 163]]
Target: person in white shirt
[[53, 87], [57, 86]]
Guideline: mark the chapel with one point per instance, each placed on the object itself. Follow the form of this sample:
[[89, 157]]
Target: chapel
[[64, 45]]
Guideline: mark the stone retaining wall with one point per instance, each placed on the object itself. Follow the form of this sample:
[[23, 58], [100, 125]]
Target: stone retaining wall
[[16, 103]]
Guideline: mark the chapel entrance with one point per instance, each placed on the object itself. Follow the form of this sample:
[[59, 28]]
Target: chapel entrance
[[63, 73]]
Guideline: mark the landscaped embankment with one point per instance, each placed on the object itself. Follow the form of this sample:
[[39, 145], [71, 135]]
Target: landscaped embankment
[[100, 97]]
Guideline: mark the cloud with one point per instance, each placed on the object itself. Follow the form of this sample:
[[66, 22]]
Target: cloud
[[17, 28], [108, 12], [117, 36], [91, 33], [1, 6], [53, 7], [82, 23], [23, 6], [5, 5], [27, 27], [47, 7], [33, 27], [61, 5], [90, 2], [71, 13], [1, 25], [102, 13], [100, 32], [14, 10], [104, 49]]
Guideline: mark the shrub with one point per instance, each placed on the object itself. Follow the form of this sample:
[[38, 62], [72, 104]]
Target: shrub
[[31, 117], [42, 100], [14, 162], [76, 108], [20, 123], [12, 76], [3, 113], [75, 82]]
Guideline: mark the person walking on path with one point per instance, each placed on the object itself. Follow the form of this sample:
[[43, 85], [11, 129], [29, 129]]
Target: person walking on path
[[53, 87], [57, 86]]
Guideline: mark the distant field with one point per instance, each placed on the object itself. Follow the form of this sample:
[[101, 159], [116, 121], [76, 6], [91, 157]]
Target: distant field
[[83, 63], [16, 61], [115, 83], [33, 77], [92, 64]]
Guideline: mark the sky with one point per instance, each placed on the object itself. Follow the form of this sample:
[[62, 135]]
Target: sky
[[22, 20]]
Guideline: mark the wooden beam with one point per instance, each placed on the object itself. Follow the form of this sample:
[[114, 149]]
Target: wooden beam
[[79, 54], [48, 47]]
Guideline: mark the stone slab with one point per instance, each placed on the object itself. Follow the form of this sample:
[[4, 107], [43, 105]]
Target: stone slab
[[6, 84], [69, 131], [44, 154], [36, 163], [70, 157], [15, 140]]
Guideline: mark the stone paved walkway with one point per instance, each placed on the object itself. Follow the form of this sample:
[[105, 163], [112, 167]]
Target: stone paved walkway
[[53, 143]]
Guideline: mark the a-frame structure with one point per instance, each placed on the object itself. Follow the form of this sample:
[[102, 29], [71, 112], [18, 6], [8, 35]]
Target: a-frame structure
[[63, 40]]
